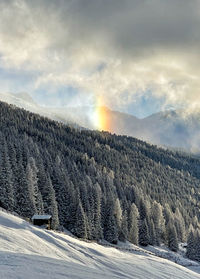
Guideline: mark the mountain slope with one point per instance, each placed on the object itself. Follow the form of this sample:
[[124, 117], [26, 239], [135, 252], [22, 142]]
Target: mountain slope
[[170, 128], [25, 101], [75, 174], [29, 252]]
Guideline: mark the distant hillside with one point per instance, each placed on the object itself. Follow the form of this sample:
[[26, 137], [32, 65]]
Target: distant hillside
[[174, 129], [95, 184], [170, 129]]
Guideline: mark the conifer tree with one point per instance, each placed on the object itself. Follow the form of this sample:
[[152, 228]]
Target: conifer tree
[[97, 229], [6, 182], [133, 224], [143, 210], [49, 201], [180, 225], [153, 240], [32, 180], [118, 213], [80, 229], [23, 202], [143, 233], [144, 236], [191, 245], [123, 233], [197, 245], [158, 227], [110, 226], [172, 239]]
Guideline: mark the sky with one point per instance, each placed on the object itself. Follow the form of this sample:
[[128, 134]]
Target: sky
[[138, 56]]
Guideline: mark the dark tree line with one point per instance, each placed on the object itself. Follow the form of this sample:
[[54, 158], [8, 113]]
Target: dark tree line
[[95, 184]]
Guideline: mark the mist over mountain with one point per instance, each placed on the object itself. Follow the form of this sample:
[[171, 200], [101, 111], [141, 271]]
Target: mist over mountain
[[172, 129]]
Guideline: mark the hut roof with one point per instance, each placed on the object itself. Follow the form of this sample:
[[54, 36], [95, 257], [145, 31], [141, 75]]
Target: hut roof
[[41, 217]]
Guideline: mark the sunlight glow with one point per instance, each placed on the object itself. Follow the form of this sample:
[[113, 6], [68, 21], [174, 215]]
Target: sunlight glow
[[102, 116]]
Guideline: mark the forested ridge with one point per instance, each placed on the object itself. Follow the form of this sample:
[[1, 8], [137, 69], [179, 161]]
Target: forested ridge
[[95, 184]]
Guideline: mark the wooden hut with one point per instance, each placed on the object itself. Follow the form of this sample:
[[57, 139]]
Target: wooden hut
[[42, 220]]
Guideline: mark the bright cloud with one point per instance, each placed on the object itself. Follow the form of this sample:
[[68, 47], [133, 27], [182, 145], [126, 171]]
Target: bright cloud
[[111, 48]]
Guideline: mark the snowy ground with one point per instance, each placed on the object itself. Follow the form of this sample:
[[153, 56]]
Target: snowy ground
[[29, 252]]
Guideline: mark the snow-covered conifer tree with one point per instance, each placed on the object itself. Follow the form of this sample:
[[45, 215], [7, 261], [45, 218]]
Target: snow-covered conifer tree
[[123, 233], [190, 253], [143, 233], [80, 229], [32, 180], [133, 224], [6, 182], [172, 239]]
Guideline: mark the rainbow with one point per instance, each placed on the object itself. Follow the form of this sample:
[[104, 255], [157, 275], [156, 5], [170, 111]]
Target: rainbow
[[102, 116]]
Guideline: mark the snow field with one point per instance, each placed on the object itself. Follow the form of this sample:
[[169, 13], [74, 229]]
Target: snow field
[[29, 252]]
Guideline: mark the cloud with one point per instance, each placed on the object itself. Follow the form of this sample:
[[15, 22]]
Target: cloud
[[113, 48]]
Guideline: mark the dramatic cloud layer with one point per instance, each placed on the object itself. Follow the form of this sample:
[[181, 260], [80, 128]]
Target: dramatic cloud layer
[[111, 48]]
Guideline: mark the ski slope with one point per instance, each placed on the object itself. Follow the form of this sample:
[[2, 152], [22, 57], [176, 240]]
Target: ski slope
[[29, 252]]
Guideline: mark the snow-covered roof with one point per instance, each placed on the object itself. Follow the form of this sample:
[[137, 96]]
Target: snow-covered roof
[[39, 217]]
